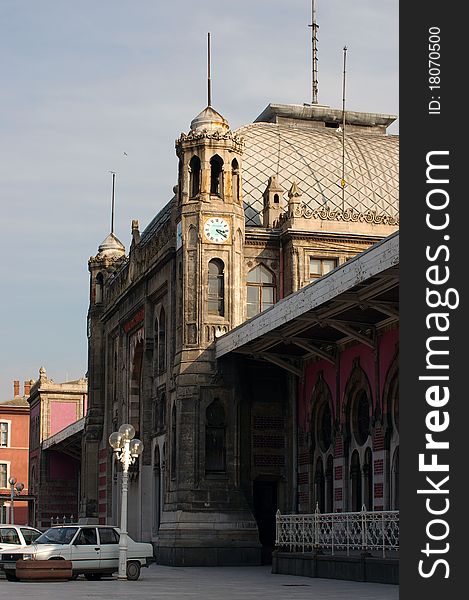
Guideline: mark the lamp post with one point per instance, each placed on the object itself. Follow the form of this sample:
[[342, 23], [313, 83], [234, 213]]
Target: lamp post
[[15, 490], [126, 449]]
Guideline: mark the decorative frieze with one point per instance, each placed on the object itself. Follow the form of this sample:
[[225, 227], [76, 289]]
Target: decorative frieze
[[327, 213]]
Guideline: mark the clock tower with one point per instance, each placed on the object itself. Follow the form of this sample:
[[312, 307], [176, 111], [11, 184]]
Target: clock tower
[[211, 229], [207, 519]]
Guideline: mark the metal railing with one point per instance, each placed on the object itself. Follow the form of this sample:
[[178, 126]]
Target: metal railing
[[362, 531], [61, 520]]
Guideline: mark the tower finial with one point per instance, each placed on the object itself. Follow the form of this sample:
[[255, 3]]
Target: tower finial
[[113, 200], [314, 58], [209, 79]]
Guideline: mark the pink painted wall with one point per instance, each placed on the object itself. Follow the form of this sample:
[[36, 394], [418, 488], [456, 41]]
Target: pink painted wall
[[62, 415]]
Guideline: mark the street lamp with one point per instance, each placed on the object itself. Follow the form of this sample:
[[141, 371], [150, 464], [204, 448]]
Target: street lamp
[[15, 490], [126, 449]]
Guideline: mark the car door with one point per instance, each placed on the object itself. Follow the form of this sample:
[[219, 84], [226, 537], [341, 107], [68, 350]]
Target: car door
[[29, 535], [85, 551], [109, 544]]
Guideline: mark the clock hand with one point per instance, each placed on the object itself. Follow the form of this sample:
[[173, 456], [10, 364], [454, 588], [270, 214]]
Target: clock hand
[[221, 232]]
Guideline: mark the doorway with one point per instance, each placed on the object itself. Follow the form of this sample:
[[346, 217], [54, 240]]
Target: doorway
[[265, 507]]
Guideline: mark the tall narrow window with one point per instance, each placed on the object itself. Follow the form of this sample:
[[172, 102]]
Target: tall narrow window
[[99, 288], [3, 434], [215, 437], [3, 475], [216, 168], [330, 484], [173, 442], [162, 342], [156, 490], [235, 179], [320, 485], [135, 387], [194, 176], [368, 480], [395, 480], [216, 287], [260, 290], [356, 482]]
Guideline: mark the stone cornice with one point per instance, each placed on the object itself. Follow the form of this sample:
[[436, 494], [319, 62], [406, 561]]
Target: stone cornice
[[212, 136]]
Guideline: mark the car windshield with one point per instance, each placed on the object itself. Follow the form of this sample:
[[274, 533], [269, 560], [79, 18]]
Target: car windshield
[[59, 535]]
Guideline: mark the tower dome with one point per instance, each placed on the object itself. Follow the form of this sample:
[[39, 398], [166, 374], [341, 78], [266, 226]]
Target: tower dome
[[111, 247], [210, 120]]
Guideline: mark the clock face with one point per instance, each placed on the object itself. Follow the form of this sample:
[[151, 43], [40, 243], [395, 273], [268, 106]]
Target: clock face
[[217, 230]]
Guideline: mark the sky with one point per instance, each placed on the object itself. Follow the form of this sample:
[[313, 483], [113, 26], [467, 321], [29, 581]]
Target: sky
[[96, 86]]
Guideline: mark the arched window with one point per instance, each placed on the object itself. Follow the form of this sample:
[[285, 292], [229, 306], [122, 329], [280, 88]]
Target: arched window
[[260, 290], [324, 426], [99, 288], [276, 199], [361, 420], [235, 179], [215, 453], [194, 176], [216, 287], [216, 168], [356, 482], [162, 341], [322, 435], [173, 442]]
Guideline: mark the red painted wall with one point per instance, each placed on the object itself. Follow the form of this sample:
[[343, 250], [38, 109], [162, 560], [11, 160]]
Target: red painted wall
[[387, 347], [17, 454]]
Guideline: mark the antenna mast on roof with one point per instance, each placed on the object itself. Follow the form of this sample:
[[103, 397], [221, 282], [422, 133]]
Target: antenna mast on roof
[[342, 183], [209, 79], [314, 59], [112, 200]]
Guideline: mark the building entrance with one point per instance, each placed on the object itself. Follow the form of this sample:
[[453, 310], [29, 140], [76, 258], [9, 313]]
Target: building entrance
[[265, 507]]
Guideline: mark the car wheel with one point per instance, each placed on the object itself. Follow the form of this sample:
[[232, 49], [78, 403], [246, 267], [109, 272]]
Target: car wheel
[[133, 570], [93, 576], [11, 576]]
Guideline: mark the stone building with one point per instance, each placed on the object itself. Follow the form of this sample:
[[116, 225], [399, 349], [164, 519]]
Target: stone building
[[54, 468], [257, 214]]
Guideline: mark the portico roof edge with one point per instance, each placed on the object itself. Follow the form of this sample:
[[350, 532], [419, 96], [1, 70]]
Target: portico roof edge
[[381, 256]]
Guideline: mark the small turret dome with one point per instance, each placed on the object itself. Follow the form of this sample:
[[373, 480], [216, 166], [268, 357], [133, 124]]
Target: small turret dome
[[211, 120], [111, 247]]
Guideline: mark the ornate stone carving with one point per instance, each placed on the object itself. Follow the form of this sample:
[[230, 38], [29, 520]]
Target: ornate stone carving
[[326, 213], [237, 140]]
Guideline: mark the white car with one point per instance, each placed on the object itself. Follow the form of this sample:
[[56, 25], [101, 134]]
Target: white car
[[15, 536], [93, 550]]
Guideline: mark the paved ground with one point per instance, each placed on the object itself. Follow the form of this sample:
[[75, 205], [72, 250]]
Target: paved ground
[[189, 583]]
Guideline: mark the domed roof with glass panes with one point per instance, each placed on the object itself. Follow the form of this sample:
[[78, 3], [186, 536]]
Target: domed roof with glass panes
[[305, 145]]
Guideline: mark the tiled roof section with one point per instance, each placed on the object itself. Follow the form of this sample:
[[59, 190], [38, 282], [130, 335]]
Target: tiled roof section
[[158, 221], [15, 402], [313, 157]]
